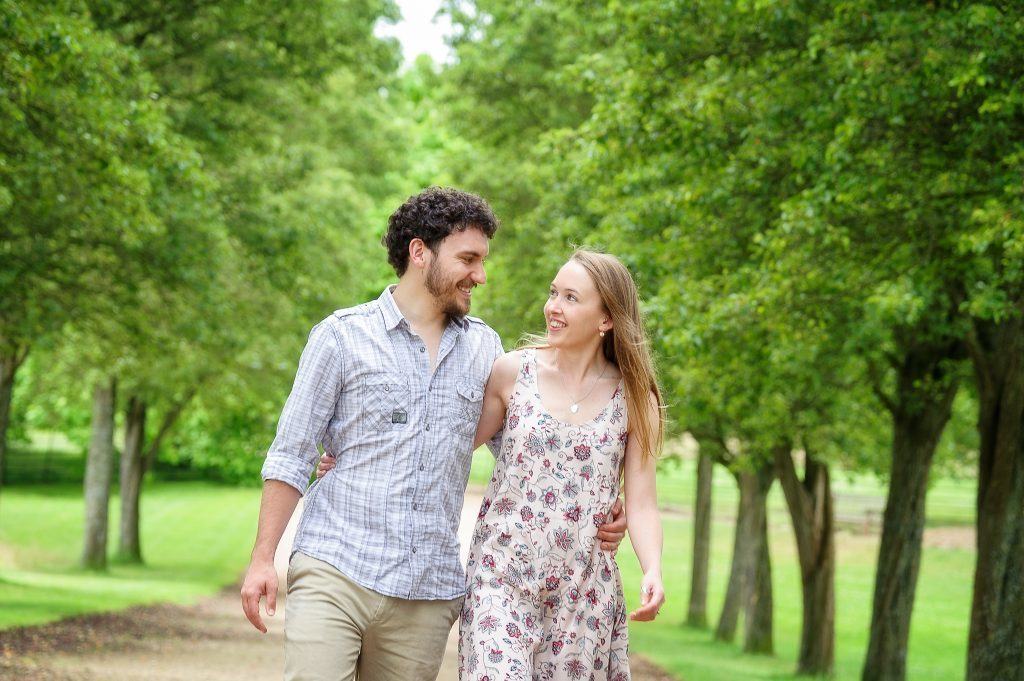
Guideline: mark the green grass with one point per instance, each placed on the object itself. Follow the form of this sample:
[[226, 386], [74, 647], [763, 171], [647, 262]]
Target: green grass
[[938, 639], [196, 539]]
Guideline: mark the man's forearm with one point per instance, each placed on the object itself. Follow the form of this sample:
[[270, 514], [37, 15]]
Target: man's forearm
[[276, 508]]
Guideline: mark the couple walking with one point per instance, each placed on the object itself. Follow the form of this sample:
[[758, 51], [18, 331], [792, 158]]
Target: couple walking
[[399, 392]]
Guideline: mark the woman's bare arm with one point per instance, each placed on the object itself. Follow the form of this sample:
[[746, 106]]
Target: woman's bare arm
[[644, 524], [496, 396]]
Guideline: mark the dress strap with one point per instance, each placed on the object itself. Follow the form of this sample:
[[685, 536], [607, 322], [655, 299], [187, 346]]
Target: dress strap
[[528, 370], [522, 391]]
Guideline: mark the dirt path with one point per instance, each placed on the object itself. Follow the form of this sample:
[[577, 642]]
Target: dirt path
[[210, 641]]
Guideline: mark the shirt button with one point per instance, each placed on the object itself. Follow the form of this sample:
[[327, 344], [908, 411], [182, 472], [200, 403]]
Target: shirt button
[[428, 426], [422, 349], [422, 467], [414, 549], [415, 508]]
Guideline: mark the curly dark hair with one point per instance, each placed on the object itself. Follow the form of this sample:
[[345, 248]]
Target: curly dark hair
[[432, 215]]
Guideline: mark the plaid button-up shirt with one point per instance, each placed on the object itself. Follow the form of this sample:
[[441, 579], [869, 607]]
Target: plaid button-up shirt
[[387, 516]]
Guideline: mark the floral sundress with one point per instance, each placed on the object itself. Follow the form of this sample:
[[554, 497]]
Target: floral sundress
[[543, 601]]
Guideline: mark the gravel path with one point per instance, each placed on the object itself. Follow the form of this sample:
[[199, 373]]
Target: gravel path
[[211, 641]]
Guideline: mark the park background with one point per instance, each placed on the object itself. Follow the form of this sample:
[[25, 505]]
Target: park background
[[820, 201]]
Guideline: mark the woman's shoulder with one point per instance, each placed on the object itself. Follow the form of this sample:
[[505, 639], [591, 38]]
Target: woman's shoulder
[[511, 361], [506, 367]]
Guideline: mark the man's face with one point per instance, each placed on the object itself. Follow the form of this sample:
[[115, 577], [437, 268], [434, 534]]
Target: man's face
[[456, 268]]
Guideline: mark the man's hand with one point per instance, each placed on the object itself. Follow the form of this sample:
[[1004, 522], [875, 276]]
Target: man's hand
[[327, 462], [260, 581], [611, 533]]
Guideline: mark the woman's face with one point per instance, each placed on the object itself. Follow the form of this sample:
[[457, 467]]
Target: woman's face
[[574, 311]]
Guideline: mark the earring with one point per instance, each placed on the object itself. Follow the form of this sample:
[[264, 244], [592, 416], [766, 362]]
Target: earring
[[602, 334]]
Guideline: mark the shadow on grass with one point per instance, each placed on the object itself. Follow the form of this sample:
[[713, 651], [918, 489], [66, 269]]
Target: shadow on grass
[[47, 491], [38, 604]]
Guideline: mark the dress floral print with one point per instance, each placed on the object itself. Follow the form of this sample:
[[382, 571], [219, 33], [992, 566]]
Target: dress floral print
[[543, 601]]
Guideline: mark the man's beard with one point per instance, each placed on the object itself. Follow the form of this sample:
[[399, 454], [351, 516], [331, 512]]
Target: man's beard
[[445, 292]]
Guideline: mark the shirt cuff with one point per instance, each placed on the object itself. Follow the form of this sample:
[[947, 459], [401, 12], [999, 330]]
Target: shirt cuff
[[285, 468], [494, 444]]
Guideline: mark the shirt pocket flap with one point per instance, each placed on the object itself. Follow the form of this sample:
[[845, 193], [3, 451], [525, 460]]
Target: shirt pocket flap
[[386, 384], [470, 389]]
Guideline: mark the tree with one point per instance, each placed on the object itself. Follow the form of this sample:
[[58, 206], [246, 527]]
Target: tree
[[997, 610], [750, 577], [811, 505], [696, 613], [992, 243], [83, 149], [98, 473], [928, 139], [132, 468]]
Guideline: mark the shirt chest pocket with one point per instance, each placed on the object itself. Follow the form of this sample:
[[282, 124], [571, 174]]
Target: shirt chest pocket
[[385, 403], [464, 410]]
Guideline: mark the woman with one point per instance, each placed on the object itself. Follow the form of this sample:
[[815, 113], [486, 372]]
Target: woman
[[581, 410]]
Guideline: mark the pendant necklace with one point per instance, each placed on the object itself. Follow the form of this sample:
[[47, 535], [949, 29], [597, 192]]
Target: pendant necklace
[[574, 405]]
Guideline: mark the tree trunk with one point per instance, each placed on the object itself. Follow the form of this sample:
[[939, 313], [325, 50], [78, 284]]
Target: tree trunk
[[130, 549], [810, 506], [746, 547], [744, 539], [9, 364], [758, 612], [98, 471], [996, 642], [697, 615], [924, 398]]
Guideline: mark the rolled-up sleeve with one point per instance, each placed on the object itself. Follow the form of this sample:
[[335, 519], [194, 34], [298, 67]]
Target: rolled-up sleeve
[[308, 410]]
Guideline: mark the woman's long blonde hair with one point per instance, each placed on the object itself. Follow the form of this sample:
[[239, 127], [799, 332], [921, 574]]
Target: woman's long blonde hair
[[627, 346]]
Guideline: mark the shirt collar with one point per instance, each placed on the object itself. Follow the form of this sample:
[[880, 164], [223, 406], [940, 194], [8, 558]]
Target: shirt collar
[[393, 316]]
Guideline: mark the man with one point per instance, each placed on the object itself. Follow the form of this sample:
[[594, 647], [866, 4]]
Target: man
[[393, 390]]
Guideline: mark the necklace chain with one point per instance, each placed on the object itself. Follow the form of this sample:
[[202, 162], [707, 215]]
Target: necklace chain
[[574, 404]]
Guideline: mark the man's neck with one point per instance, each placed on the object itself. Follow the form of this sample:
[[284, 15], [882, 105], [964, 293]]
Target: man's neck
[[418, 306]]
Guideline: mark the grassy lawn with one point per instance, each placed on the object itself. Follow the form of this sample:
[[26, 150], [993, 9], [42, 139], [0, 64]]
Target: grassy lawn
[[938, 638], [196, 538]]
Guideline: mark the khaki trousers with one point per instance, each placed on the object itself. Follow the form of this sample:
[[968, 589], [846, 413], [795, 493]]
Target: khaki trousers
[[337, 630]]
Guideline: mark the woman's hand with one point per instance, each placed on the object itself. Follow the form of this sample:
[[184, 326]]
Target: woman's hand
[[652, 597], [327, 462]]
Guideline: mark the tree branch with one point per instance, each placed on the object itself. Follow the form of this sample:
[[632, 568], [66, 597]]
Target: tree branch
[[799, 502], [976, 350], [878, 390], [165, 426]]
